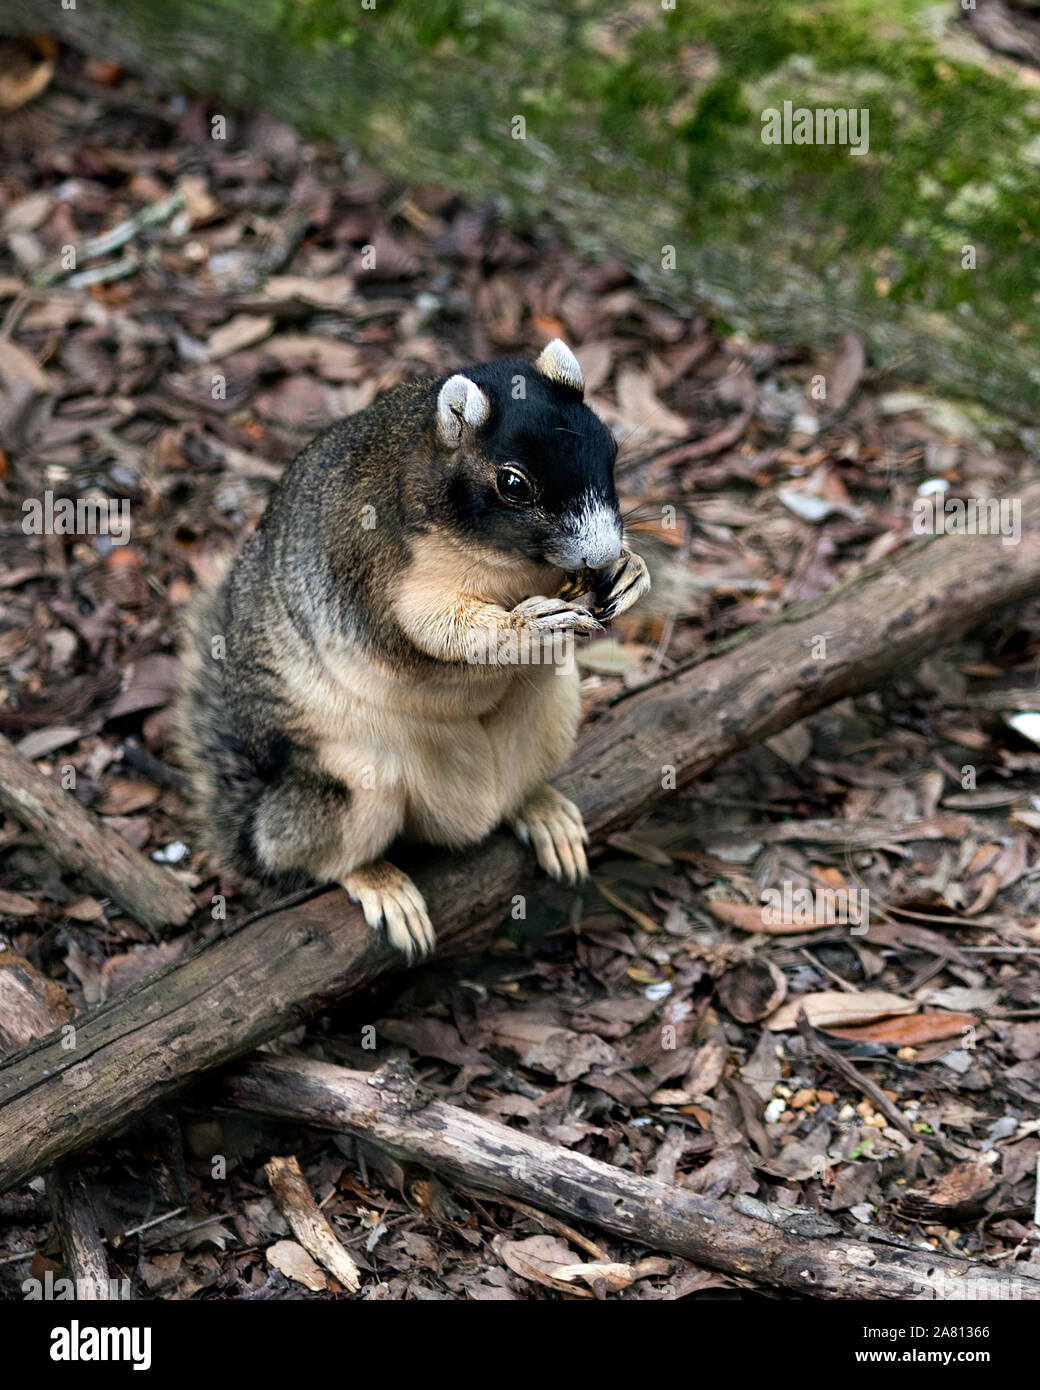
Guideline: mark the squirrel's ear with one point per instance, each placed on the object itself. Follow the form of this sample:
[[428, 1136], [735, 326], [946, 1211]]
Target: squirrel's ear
[[558, 363], [461, 402]]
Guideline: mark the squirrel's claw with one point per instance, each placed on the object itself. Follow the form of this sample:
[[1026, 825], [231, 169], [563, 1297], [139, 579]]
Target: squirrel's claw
[[553, 827], [392, 904], [624, 587], [540, 614]]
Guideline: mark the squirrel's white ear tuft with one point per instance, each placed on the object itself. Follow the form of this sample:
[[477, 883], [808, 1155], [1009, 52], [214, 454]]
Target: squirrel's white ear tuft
[[461, 402], [558, 363]]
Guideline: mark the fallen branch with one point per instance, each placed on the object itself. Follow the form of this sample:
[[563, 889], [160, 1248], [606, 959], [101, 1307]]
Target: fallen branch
[[285, 965], [307, 1223], [384, 1109], [30, 1006], [76, 1221], [83, 845]]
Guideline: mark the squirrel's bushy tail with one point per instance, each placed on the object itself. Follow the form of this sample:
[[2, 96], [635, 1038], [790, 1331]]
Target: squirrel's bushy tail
[[225, 786]]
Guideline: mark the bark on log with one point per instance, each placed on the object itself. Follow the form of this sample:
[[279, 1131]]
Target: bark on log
[[83, 845], [286, 964], [384, 1110]]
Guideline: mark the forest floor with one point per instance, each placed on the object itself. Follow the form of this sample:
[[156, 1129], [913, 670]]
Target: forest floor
[[262, 286]]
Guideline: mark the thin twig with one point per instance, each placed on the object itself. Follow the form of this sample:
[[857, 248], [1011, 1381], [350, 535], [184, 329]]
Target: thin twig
[[551, 1223], [864, 1085], [155, 1221]]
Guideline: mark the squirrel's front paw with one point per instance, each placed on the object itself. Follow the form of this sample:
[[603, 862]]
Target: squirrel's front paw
[[553, 826], [618, 589], [392, 903], [540, 614]]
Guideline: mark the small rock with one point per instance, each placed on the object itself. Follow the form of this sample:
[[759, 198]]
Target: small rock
[[172, 853]]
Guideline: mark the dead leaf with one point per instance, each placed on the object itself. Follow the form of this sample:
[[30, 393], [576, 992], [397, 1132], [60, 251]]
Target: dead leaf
[[759, 918], [962, 998], [547, 1046], [119, 972], [1012, 862], [294, 1262], [832, 1007], [26, 67], [793, 744], [500, 305], [25, 215], [84, 909], [641, 847], [17, 365], [15, 905], [641, 409], [954, 1196], [640, 918], [433, 1037], [335, 361], [809, 506], [597, 362], [329, 292], [707, 1067], [239, 332], [986, 889], [201, 205], [1024, 1040], [913, 1030], [752, 989], [152, 681], [846, 372], [126, 795], [538, 1258], [88, 972], [42, 742], [704, 1074], [211, 1233], [612, 1275]]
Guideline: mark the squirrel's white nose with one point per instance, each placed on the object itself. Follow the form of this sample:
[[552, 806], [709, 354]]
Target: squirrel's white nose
[[589, 538], [598, 557]]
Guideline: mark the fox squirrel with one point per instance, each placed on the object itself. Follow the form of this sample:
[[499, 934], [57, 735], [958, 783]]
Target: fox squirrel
[[392, 638]]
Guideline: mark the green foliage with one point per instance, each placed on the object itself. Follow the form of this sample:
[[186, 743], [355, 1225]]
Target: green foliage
[[945, 168], [644, 127]]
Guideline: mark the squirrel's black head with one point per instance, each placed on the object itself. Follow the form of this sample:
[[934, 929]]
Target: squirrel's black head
[[526, 466]]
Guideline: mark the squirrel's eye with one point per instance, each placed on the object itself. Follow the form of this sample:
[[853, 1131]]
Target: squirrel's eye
[[514, 487]]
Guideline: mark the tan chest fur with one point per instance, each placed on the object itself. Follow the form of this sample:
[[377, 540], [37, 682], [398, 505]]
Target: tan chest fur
[[458, 747]]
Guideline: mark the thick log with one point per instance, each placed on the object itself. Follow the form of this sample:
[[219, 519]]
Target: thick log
[[384, 1109], [285, 965], [83, 845]]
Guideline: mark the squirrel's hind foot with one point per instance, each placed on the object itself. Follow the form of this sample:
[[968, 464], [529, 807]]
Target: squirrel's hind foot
[[553, 827], [392, 904]]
